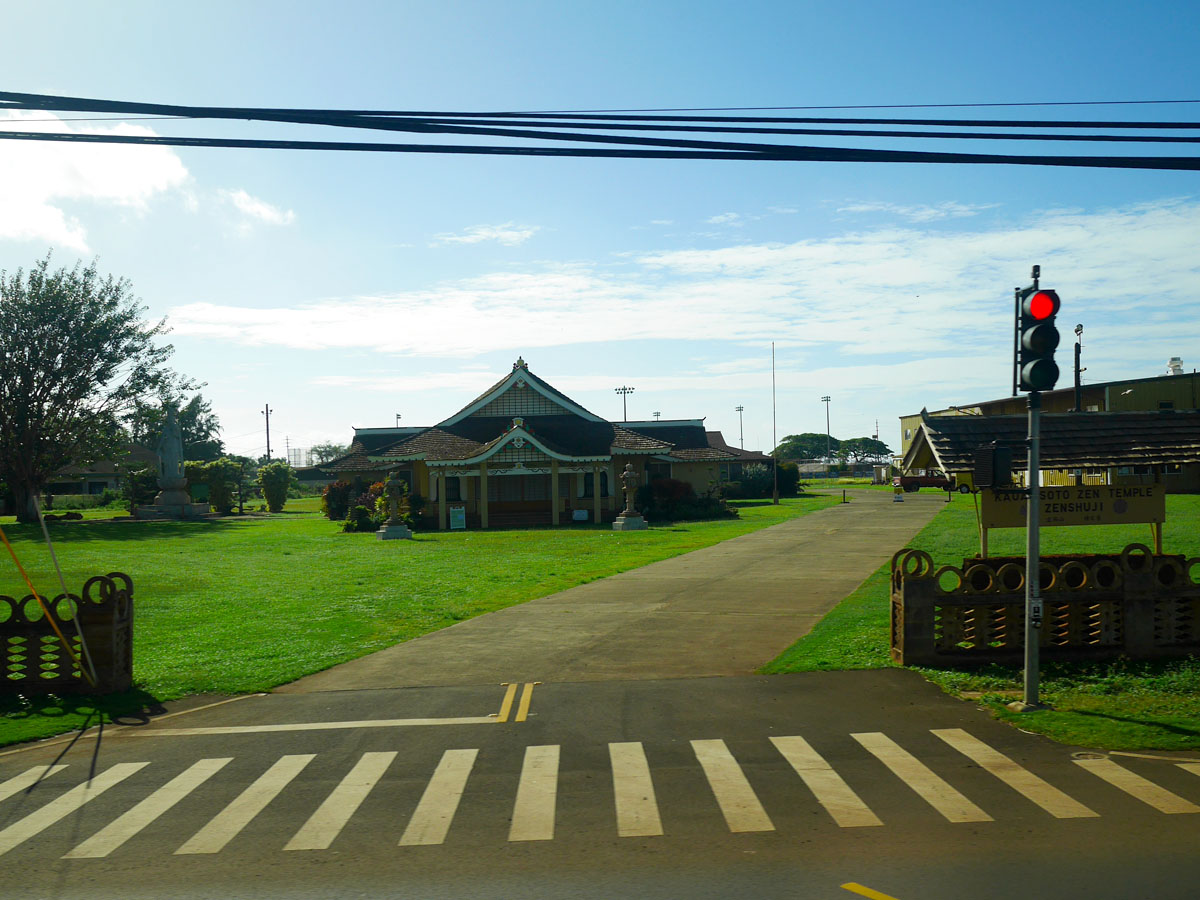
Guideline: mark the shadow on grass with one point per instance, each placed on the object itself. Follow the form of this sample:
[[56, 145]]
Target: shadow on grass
[[1144, 723], [119, 530], [132, 707]]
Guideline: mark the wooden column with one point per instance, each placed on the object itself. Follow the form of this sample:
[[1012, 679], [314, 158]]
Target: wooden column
[[441, 492], [483, 495], [596, 471], [554, 502]]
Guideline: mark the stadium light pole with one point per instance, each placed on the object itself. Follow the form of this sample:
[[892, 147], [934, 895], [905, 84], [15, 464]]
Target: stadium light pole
[[624, 392], [741, 430]]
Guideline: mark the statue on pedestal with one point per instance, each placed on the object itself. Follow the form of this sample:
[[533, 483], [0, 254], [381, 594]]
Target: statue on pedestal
[[394, 490], [173, 500], [629, 519]]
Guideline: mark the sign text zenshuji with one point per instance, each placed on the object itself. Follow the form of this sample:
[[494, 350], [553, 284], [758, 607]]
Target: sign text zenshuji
[[1078, 505]]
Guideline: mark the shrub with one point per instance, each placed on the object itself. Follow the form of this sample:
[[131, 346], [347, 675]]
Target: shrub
[[789, 479], [671, 500], [362, 519], [335, 500], [275, 479], [758, 481], [223, 476]]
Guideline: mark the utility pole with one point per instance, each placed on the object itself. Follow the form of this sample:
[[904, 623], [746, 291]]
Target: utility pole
[[657, 414], [774, 434], [267, 412], [828, 434], [741, 431], [1078, 371], [624, 392]]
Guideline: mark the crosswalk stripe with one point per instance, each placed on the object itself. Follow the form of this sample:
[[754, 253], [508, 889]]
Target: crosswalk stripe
[[1136, 786], [61, 807], [537, 792], [1017, 777], [228, 823], [1194, 768], [739, 804], [933, 789], [331, 816], [839, 800], [125, 826], [633, 791], [431, 820], [27, 779]]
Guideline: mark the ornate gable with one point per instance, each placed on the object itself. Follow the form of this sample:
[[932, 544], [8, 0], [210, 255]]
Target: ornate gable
[[521, 394]]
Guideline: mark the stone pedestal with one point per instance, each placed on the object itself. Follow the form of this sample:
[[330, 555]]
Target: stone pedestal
[[389, 532], [629, 523]]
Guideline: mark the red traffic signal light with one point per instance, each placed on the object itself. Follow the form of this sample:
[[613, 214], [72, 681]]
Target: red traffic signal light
[[1042, 305]]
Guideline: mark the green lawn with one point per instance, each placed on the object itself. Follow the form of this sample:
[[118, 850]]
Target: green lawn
[[244, 604], [1121, 705]]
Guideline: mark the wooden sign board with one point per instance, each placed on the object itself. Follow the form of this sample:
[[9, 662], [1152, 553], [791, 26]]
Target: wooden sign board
[[1079, 505]]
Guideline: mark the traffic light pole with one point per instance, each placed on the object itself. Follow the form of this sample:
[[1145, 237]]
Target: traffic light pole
[[1033, 558]]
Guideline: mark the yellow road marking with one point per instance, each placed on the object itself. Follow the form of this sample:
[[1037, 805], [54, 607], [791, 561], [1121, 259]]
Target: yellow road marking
[[866, 891], [506, 704], [526, 699]]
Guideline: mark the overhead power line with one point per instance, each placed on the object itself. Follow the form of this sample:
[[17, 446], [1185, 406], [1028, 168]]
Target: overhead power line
[[595, 128]]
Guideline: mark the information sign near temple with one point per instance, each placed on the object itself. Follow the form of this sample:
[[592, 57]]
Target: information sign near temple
[[1077, 505]]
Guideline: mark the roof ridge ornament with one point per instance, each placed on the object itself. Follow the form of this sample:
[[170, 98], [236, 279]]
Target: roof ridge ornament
[[520, 364]]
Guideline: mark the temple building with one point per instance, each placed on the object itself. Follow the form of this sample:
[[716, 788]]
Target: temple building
[[523, 453]]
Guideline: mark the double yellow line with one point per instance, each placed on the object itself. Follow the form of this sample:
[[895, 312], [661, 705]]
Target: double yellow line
[[522, 707]]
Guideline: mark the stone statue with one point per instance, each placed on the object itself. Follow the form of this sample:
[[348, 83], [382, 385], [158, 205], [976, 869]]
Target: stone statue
[[170, 454], [394, 491], [629, 481], [173, 500], [629, 519]]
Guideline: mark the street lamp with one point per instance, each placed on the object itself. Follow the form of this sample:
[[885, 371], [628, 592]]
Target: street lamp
[[741, 431], [828, 437], [624, 392]]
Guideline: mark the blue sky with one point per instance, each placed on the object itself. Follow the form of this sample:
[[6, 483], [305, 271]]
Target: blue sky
[[345, 288]]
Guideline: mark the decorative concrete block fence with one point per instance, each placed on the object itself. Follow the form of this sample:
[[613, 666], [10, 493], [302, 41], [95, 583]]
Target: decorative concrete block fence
[[33, 658], [1135, 603]]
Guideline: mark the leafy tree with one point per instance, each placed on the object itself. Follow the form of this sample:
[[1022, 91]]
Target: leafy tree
[[198, 424], [275, 478], [327, 452], [75, 358], [864, 449], [808, 445]]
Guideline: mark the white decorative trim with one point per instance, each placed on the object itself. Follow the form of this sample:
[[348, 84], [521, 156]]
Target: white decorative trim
[[514, 376]]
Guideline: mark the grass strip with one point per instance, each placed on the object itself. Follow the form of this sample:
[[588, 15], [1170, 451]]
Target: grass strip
[[1117, 705]]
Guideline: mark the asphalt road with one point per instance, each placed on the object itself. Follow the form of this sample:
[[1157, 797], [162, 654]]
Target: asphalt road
[[784, 786]]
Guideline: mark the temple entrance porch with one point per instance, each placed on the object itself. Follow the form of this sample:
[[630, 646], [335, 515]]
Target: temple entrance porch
[[521, 496]]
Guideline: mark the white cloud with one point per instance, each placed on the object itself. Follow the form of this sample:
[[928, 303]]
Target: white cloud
[[867, 311], [254, 208], [509, 234], [662, 221], [949, 209], [729, 218], [39, 179]]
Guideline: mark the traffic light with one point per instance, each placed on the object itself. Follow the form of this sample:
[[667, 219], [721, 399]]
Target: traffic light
[[1039, 338]]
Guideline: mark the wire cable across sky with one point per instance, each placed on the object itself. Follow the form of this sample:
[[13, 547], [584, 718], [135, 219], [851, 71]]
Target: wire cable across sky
[[549, 131]]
